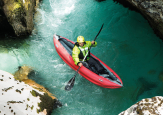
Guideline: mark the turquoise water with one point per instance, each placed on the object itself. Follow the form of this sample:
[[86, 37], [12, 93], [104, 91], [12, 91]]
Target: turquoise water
[[127, 44]]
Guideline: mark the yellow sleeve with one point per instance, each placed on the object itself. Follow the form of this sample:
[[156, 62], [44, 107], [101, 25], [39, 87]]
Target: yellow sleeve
[[89, 43], [75, 55]]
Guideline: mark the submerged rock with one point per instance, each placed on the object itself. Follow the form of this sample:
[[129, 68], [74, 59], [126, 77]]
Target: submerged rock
[[100, 0], [19, 14], [25, 94], [144, 86], [149, 106], [161, 76], [150, 9]]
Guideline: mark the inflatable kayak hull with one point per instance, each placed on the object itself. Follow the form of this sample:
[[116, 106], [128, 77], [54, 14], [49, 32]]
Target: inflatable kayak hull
[[64, 47]]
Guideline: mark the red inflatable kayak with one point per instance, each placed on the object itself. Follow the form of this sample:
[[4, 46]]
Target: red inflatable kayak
[[64, 48]]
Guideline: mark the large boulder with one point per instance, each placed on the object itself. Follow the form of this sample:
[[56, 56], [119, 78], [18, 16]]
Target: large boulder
[[22, 75], [149, 106], [18, 15], [150, 9], [22, 96], [5, 27]]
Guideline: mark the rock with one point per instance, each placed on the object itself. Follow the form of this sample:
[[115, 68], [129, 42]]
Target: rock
[[16, 94], [25, 94], [5, 26], [38, 87], [19, 14], [149, 106], [150, 9], [22, 75]]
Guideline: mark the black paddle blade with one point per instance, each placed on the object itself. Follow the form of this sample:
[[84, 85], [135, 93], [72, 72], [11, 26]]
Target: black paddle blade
[[70, 84]]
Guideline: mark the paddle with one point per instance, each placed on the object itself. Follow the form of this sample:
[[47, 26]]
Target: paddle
[[70, 84]]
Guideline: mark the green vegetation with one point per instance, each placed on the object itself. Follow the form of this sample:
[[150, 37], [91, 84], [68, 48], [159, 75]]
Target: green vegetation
[[6, 89], [14, 102], [32, 107], [46, 102], [18, 91], [14, 6], [33, 93]]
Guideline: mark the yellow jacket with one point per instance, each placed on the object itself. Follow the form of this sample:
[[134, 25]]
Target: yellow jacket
[[78, 53]]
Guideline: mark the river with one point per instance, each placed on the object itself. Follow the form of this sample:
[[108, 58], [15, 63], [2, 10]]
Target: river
[[127, 44]]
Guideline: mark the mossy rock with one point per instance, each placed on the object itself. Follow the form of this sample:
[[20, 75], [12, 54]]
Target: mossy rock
[[19, 14], [46, 102], [22, 73]]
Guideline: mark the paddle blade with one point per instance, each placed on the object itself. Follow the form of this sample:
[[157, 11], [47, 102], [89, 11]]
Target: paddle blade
[[70, 84]]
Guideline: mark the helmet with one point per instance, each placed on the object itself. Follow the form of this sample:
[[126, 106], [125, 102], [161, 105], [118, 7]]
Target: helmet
[[80, 39]]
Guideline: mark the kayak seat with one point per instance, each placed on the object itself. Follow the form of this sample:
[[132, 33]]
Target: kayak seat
[[67, 45]]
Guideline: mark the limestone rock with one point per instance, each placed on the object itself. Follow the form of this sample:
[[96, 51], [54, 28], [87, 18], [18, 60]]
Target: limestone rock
[[20, 92], [151, 10], [18, 98], [149, 106], [22, 75]]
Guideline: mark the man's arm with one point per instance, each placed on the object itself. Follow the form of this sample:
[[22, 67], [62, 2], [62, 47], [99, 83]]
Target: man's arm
[[75, 55]]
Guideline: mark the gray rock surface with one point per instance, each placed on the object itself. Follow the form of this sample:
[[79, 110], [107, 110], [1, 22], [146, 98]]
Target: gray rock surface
[[149, 106], [152, 10]]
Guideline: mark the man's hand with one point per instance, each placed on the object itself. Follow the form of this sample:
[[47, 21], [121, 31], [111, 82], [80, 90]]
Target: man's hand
[[93, 42], [80, 64]]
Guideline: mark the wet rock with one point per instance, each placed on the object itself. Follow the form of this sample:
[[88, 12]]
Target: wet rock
[[149, 106], [22, 75], [150, 9], [18, 14]]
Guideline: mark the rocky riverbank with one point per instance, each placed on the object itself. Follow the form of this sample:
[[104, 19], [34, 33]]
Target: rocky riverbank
[[149, 106], [22, 96], [152, 10], [16, 16]]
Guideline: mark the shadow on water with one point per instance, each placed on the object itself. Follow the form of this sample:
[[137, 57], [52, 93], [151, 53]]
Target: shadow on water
[[100, 0], [36, 76], [13, 41], [126, 4], [143, 86], [13, 51], [161, 76]]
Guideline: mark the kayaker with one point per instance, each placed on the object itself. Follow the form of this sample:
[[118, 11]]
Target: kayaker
[[79, 51]]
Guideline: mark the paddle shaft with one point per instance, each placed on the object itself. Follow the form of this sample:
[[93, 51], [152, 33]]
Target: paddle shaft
[[72, 80]]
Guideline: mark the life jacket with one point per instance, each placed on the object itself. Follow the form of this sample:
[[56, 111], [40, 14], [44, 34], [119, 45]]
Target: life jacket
[[83, 51], [78, 53]]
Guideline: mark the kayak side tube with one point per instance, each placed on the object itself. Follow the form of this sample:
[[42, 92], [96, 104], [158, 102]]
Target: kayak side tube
[[64, 47]]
